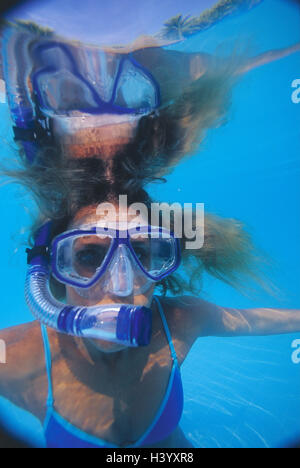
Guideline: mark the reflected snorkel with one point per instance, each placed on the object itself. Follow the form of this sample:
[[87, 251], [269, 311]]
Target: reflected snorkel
[[125, 324]]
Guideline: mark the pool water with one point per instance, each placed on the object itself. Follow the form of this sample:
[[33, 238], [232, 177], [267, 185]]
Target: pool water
[[239, 392]]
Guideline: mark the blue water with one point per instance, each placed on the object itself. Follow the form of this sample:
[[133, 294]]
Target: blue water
[[241, 392]]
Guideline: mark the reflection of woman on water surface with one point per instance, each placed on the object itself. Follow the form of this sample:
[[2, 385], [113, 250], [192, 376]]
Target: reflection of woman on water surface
[[96, 392]]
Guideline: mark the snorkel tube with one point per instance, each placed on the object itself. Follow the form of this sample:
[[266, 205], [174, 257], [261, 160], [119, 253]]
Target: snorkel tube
[[15, 43], [126, 324]]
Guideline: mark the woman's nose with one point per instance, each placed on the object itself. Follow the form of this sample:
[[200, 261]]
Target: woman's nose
[[121, 273]]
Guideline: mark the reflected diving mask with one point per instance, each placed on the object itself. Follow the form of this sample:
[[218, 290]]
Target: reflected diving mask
[[55, 86], [83, 258]]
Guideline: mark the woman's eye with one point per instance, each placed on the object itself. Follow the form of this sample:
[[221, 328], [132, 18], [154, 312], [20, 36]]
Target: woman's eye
[[90, 257], [141, 251]]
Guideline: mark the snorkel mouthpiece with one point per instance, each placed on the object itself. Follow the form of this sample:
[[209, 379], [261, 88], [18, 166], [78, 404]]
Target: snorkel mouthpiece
[[134, 325], [127, 324]]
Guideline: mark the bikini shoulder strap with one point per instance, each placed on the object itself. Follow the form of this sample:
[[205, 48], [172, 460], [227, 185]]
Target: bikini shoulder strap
[[167, 330], [47, 350]]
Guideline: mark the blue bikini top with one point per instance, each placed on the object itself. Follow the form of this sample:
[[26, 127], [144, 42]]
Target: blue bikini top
[[60, 433]]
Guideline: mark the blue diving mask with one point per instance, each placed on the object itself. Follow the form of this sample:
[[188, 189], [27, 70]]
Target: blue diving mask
[[97, 260], [81, 259], [50, 81]]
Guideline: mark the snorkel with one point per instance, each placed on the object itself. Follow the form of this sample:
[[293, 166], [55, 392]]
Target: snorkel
[[18, 98], [127, 324]]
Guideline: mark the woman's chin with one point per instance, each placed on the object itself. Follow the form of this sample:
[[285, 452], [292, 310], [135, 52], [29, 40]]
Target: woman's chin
[[107, 346]]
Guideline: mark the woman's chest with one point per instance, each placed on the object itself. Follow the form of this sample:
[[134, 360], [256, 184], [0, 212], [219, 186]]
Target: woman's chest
[[117, 407]]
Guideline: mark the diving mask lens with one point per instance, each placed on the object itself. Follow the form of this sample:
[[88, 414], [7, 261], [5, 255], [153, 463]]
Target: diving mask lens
[[63, 92], [155, 252], [80, 258], [59, 87], [135, 89]]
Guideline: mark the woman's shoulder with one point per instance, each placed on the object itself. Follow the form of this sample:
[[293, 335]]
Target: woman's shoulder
[[190, 316], [186, 308], [186, 317], [22, 347], [23, 377]]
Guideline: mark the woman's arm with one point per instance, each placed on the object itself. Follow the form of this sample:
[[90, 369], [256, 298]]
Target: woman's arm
[[268, 57], [174, 70], [249, 322], [200, 62], [202, 318]]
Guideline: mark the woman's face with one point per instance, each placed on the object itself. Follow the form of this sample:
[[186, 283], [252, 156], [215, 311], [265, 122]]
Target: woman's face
[[98, 294], [105, 138]]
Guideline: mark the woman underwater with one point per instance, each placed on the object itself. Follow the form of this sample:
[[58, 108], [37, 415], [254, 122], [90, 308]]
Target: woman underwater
[[97, 393]]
